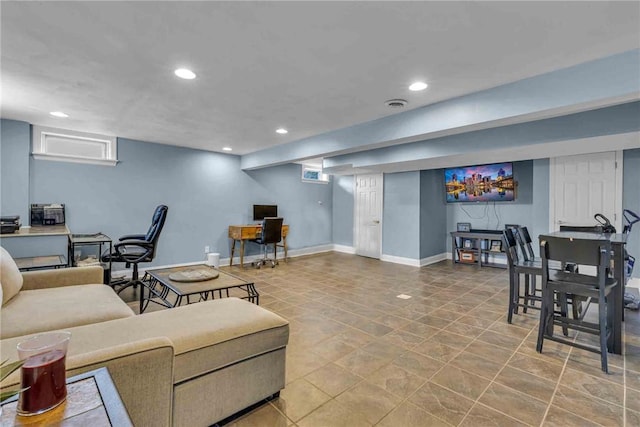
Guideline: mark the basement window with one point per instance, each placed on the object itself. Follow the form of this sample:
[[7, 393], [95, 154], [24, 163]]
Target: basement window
[[314, 174], [72, 146]]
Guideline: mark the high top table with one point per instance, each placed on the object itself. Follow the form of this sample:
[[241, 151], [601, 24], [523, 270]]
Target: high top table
[[23, 243], [618, 242]]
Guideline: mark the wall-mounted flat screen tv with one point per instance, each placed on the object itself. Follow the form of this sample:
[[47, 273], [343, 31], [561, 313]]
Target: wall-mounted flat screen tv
[[480, 183], [262, 211]]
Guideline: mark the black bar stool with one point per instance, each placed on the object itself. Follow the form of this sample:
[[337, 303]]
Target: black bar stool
[[559, 284]]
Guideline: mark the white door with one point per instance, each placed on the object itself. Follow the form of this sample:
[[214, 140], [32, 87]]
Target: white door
[[368, 213], [584, 185]]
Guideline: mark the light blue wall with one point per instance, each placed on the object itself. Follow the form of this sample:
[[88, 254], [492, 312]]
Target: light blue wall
[[342, 215], [605, 121], [529, 209], [540, 207], [631, 200], [433, 213], [208, 191], [15, 142], [401, 215], [306, 207], [205, 193], [202, 190]]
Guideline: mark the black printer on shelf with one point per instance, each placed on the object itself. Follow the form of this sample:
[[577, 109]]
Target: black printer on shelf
[[9, 224]]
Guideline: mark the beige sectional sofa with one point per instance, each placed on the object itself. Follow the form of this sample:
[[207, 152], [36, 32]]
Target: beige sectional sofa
[[189, 366]]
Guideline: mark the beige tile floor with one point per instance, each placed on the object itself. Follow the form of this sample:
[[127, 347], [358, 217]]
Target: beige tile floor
[[360, 356]]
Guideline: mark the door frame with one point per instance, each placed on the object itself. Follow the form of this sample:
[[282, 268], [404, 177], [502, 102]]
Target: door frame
[[356, 228], [617, 220]]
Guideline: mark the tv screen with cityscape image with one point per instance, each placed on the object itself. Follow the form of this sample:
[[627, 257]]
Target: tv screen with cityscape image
[[480, 183]]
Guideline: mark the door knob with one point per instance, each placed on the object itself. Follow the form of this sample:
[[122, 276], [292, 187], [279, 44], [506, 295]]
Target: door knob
[[375, 221]]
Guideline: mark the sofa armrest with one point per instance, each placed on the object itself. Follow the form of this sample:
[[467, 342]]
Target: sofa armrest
[[142, 372], [62, 277]]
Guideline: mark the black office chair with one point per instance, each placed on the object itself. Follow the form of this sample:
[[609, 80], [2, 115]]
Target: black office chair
[[559, 284], [271, 235], [136, 248]]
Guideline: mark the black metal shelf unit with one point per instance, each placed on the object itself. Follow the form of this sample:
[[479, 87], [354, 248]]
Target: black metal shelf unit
[[478, 247]]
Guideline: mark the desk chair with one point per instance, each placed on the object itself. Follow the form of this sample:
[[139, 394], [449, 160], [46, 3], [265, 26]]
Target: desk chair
[[136, 248], [558, 284], [271, 235]]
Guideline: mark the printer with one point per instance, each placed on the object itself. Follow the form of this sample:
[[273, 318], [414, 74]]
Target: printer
[[9, 224]]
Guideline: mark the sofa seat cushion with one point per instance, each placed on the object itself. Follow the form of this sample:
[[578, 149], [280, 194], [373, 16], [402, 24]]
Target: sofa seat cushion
[[10, 277], [206, 336], [60, 308], [221, 332]]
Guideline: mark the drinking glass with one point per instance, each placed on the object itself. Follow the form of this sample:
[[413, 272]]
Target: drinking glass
[[42, 376]]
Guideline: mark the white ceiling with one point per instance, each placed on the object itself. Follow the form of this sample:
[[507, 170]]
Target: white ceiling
[[311, 67]]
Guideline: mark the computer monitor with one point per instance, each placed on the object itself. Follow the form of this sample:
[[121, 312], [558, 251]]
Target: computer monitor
[[262, 211]]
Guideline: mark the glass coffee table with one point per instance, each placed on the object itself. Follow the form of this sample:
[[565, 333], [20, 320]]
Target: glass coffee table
[[167, 292]]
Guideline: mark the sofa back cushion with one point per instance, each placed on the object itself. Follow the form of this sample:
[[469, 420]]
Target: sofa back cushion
[[10, 277]]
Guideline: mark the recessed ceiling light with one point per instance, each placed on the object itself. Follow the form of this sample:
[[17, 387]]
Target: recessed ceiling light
[[185, 73], [282, 131], [227, 149], [418, 86], [59, 114]]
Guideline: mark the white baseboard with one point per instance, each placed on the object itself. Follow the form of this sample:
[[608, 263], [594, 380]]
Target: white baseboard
[[415, 262], [306, 251], [344, 249], [292, 253], [435, 258], [400, 260]]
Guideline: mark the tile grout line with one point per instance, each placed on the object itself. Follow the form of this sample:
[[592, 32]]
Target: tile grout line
[[555, 389], [445, 364], [349, 292], [553, 395], [477, 401]]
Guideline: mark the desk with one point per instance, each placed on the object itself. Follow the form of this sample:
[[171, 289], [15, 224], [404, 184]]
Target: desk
[[250, 232], [23, 245], [618, 242], [40, 262], [92, 400], [45, 230]]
